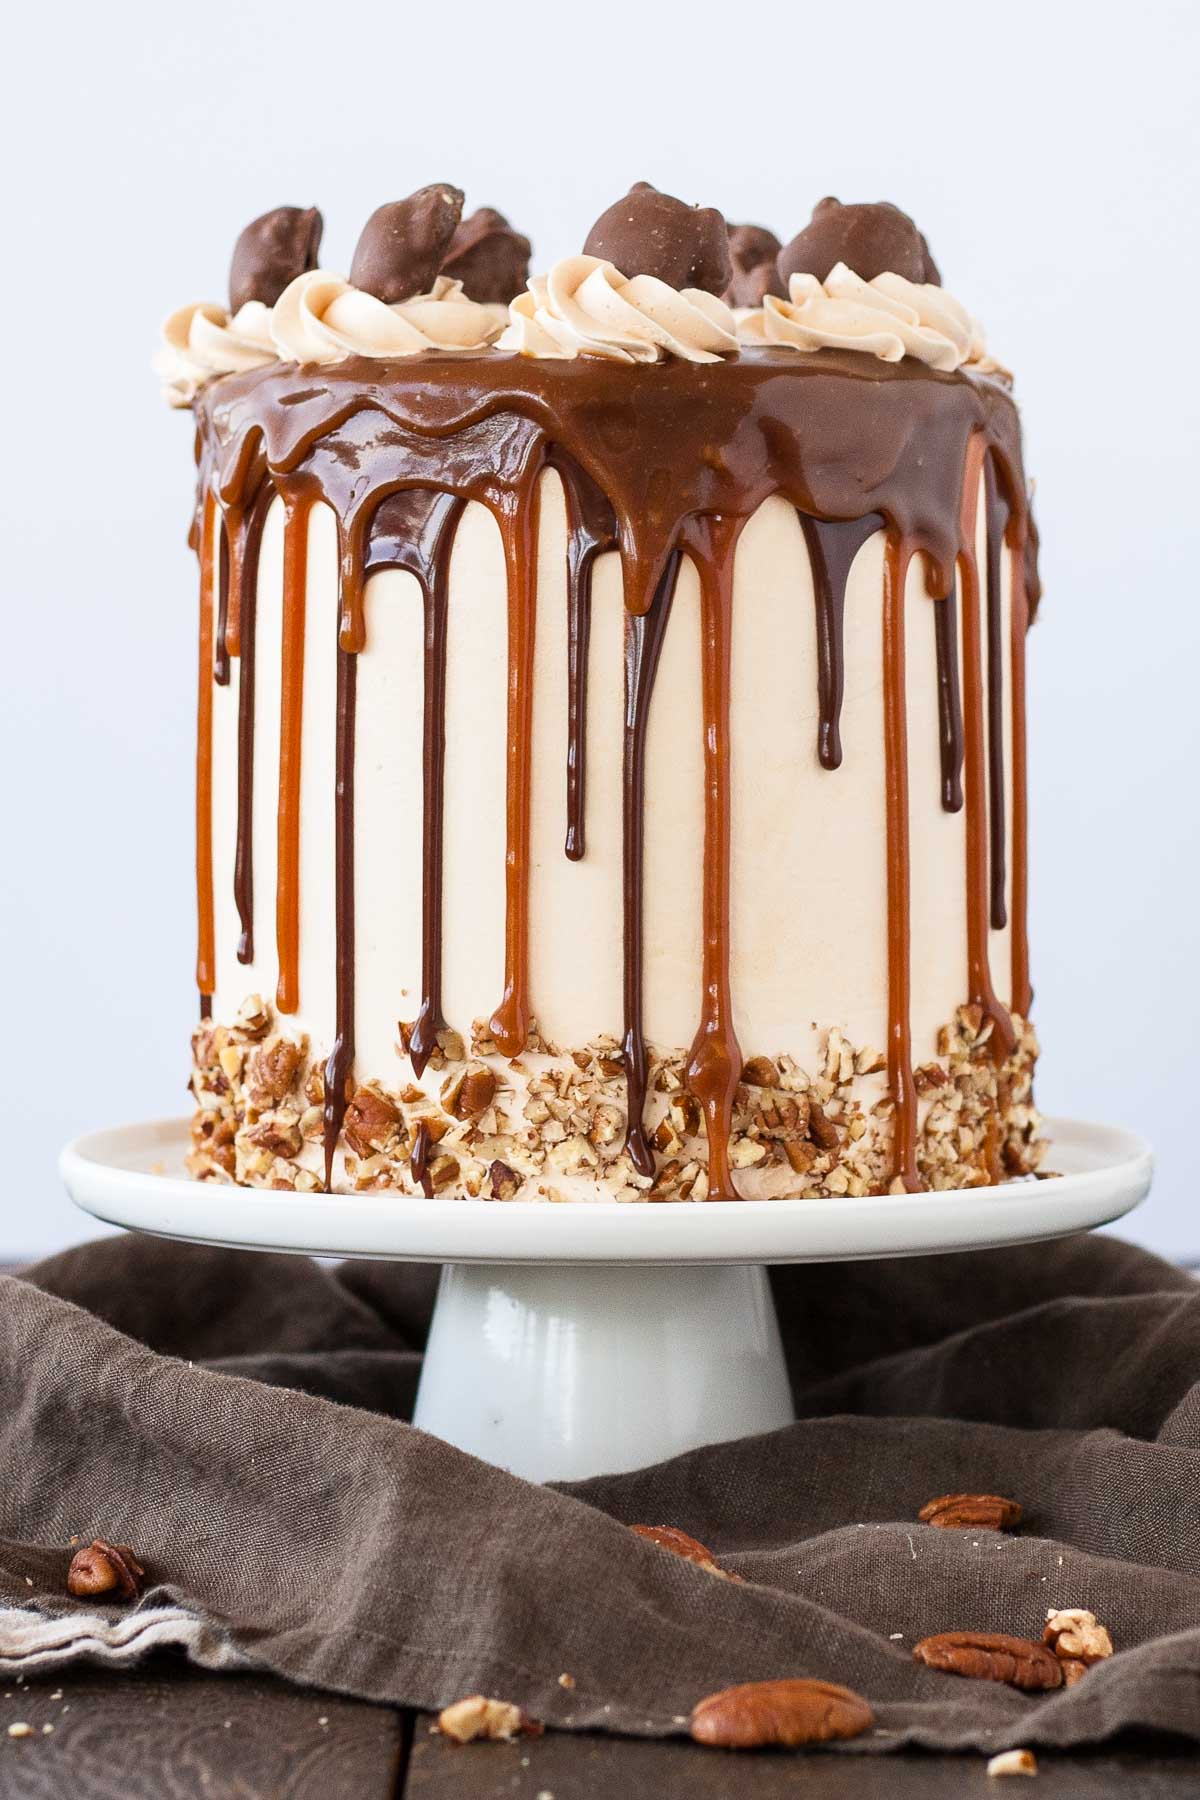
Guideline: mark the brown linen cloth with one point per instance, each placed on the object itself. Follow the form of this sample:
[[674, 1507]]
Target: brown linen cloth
[[238, 1418]]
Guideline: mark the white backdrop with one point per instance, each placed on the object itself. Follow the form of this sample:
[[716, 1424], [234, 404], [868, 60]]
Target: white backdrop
[[1050, 154]]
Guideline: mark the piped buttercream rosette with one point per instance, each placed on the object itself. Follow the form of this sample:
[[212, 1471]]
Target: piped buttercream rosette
[[202, 340], [586, 307], [887, 317], [320, 318]]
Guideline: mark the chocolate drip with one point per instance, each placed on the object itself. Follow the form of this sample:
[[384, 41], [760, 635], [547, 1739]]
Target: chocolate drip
[[414, 530], [220, 653], [996, 514], [205, 932], [950, 719], [291, 713], [419, 1160], [644, 633], [341, 1057], [895, 733], [509, 1024], [1022, 994], [206, 1006], [832, 545], [682, 462], [249, 541], [591, 528], [714, 1065], [979, 979]]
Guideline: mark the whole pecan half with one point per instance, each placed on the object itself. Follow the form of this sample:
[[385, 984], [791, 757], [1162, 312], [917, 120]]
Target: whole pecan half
[[971, 1512], [104, 1568], [787, 1713], [669, 1537], [992, 1656]]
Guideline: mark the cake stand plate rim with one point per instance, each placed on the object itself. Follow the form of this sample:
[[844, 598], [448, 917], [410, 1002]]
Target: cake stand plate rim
[[110, 1174]]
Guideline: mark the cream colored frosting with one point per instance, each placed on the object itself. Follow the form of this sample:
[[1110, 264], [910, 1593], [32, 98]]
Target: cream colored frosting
[[586, 307], [201, 341], [320, 318], [888, 317]]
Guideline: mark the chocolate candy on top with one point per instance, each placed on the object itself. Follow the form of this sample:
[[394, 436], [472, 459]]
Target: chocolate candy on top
[[404, 243], [271, 252], [753, 249], [871, 239], [488, 257], [648, 233]]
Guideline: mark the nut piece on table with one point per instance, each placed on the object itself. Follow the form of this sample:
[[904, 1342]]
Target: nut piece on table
[[992, 1656], [1074, 1635], [479, 1717], [669, 1537], [971, 1512], [1013, 1762], [788, 1713], [104, 1568]]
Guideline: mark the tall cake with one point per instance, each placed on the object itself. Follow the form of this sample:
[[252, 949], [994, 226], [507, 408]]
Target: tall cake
[[610, 777]]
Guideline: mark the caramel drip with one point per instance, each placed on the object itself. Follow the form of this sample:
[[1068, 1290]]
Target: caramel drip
[[220, 653], [996, 514], [247, 540], [979, 978], [291, 713], [205, 933], [419, 1160], [519, 530], [715, 1062], [341, 1058], [897, 556], [591, 528], [206, 1006], [950, 717], [644, 634], [1022, 993], [832, 546], [414, 530]]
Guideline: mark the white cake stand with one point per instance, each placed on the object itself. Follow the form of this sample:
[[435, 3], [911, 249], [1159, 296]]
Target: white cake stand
[[571, 1340]]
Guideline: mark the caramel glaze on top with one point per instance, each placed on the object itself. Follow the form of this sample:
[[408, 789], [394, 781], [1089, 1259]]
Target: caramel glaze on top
[[657, 463]]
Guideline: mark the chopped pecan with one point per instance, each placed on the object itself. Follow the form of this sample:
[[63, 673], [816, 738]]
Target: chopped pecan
[[971, 1512], [479, 1717], [801, 1155], [271, 1070], [1074, 1633], [992, 1656], [280, 1136], [822, 1130], [761, 1072], [1013, 1762], [104, 1568], [470, 1093], [371, 1120], [928, 1077], [505, 1183], [789, 1713]]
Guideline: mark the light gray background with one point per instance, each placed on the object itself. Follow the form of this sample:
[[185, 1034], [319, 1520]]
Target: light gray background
[[1049, 152]]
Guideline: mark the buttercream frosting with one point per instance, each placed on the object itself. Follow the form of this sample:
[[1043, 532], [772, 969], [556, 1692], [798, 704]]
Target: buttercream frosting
[[321, 318], [585, 307], [202, 340], [887, 317]]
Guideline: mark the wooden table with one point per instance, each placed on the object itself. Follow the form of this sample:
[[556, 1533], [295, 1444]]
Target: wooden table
[[168, 1732]]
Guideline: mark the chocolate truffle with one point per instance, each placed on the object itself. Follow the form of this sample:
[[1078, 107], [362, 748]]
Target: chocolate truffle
[[271, 252], [648, 233], [488, 257], [404, 243], [753, 249], [871, 239]]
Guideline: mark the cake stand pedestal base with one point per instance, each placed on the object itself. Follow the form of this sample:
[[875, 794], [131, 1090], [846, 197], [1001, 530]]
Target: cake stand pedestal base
[[559, 1372], [570, 1341]]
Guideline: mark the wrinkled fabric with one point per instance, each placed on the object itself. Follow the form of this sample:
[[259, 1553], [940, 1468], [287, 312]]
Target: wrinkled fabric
[[239, 1419]]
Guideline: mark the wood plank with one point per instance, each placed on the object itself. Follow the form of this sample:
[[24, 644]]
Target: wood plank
[[569, 1767], [166, 1731]]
